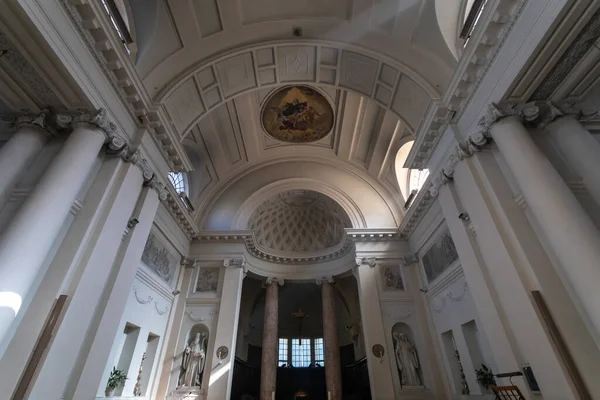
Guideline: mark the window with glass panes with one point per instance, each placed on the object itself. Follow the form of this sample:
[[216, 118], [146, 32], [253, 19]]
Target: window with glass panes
[[283, 352], [319, 352], [301, 352]]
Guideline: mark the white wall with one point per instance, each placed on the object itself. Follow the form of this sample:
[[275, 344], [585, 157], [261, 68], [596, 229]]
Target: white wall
[[148, 308], [451, 307]]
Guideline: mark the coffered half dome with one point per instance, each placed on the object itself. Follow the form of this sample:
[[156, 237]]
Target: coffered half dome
[[299, 223]]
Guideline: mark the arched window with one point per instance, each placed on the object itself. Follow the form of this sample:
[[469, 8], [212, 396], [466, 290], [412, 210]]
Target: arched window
[[473, 10], [409, 180], [117, 13], [178, 181]]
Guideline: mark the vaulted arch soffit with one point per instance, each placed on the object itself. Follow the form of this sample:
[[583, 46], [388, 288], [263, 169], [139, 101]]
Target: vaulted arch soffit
[[367, 203], [392, 85]]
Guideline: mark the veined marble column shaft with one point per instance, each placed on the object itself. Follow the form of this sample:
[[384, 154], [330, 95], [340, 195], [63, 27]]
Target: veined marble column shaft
[[569, 230], [580, 149], [30, 234], [17, 154], [333, 370], [268, 373]]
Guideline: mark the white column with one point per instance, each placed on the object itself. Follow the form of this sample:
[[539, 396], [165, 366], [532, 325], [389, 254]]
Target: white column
[[119, 287], [433, 351], [580, 149], [569, 230], [19, 153], [380, 373], [168, 359], [86, 290], [66, 260], [30, 234], [221, 371]]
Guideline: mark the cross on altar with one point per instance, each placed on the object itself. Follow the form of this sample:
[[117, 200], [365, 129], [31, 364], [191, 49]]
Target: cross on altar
[[301, 315]]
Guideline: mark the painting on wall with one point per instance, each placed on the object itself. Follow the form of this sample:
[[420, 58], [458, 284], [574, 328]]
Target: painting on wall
[[392, 278], [439, 256], [159, 259], [208, 279], [297, 114]]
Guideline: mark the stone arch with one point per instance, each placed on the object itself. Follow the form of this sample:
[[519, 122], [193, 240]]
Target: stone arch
[[242, 217], [368, 204], [191, 96]]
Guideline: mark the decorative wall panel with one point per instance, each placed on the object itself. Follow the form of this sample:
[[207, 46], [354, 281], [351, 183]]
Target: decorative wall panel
[[159, 259], [439, 256]]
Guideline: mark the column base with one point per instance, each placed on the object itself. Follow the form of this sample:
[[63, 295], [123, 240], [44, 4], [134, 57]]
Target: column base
[[191, 393]]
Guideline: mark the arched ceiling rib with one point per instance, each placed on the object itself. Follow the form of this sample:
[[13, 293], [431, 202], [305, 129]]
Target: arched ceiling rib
[[229, 143], [189, 33]]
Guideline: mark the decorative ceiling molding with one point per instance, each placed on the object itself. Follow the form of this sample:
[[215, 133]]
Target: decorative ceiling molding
[[94, 25], [373, 235], [298, 221], [193, 95], [16, 65], [484, 46], [240, 221]]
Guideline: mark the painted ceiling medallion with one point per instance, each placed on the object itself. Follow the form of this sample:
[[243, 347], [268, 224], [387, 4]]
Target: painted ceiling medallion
[[297, 114]]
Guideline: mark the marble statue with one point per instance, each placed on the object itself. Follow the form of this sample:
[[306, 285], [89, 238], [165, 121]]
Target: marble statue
[[407, 360], [192, 363]]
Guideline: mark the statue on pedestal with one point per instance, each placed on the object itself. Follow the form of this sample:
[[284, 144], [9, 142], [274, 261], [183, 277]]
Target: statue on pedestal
[[407, 360], [192, 363]]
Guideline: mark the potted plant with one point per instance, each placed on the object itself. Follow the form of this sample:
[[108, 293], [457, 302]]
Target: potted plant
[[485, 377], [116, 379]]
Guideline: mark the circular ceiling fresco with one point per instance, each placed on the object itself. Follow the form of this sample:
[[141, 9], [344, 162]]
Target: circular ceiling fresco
[[297, 114], [299, 221]]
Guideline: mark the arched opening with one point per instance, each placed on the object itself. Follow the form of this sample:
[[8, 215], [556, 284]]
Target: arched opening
[[179, 181], [409, 180], [405, 353]]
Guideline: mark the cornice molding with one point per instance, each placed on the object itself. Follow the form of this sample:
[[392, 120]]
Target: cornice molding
[[373, 235], [97, 31], [484, 45]]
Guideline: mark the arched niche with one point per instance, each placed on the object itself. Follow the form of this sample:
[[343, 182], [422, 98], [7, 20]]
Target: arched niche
[[195, 329], [401, 328]]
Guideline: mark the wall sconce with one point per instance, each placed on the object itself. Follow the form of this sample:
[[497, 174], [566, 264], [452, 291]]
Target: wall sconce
[[132, 223]]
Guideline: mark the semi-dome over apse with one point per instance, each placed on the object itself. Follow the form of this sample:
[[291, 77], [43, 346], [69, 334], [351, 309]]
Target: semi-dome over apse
[[299, 221]]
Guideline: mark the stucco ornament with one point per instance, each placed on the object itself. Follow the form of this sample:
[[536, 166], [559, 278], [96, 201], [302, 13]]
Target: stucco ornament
[[192, 363], [406, 360]]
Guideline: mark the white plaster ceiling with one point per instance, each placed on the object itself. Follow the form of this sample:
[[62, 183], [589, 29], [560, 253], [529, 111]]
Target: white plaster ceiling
[[174, 36], [233, 158]]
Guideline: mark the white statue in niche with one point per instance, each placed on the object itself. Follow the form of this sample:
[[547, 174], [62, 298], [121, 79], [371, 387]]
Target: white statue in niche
[[192, 363], [407, 360]]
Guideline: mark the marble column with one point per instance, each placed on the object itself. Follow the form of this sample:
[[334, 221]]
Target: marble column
[[333, 370], [30, 234], [580, 150], [569, 230], [221, 375], [268, 373], [19, 153]]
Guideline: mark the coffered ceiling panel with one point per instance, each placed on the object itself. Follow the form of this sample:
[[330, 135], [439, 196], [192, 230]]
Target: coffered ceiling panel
[[266, 10]]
